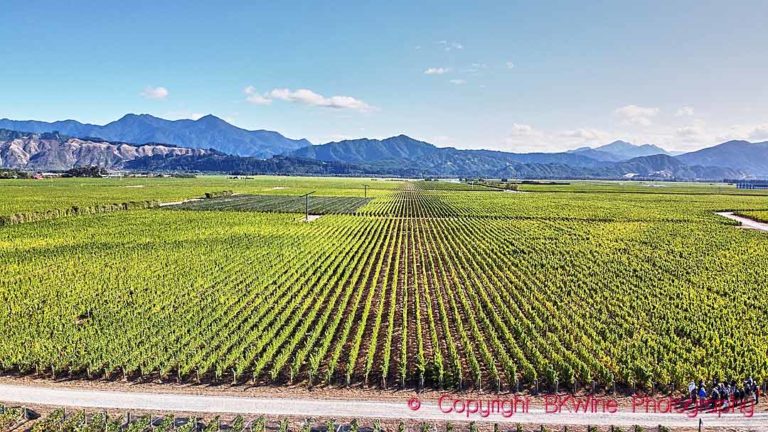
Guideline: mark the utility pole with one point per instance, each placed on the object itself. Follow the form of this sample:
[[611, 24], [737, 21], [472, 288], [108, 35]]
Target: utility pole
[[366, 190], [306, 205]]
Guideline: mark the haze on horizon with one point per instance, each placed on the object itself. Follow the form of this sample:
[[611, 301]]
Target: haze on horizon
[[515, 76]]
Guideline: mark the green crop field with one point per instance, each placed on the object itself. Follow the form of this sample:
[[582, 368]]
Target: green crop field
[[316, 205], [425, 284], [40, 195]]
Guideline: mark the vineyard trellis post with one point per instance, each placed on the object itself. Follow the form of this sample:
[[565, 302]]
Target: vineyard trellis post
[[306, 205]]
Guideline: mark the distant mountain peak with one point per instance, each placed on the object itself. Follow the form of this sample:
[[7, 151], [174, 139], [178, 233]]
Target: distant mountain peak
[[620, 150], [131, 116], [619, 143], [736, 143], [210, 118], [204, 133], [737, 154]]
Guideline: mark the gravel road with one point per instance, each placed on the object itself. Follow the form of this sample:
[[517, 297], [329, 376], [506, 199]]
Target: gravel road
[[745, 222], [362, 409]]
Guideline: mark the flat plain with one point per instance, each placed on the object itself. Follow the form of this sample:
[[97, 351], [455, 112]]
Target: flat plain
[[425, 284]]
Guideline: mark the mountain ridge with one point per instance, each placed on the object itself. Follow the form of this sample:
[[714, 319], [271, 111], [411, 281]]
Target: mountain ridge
[[732, 154], [206, 132], [397, 155], [54, 151], [408, 153]]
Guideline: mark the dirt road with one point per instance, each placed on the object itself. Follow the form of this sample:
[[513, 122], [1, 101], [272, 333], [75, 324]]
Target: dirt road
[[745, 222], [361, 409]]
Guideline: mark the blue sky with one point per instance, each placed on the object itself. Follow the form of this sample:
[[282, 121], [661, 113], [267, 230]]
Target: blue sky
[[508, 75]]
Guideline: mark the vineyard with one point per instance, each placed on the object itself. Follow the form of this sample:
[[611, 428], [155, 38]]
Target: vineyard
[[51, 194], [420, 286], [278, 204]]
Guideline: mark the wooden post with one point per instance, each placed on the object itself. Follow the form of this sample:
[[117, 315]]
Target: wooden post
[[700, 424]]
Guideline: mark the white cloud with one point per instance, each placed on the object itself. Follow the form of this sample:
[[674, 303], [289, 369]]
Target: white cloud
[[689, 132], [305, 97], [759, 133], [155, 93], [509, 65], [524, 138], [308, 97], [252, 96], [518, 130], [436, 71], [457, 81], [585, 134], [685, 111], [450, 46], [636, 115]]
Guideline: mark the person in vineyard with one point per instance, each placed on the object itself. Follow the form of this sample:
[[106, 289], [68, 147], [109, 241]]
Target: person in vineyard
[[714, 396], [702, 393], [692, 391], [752, 387], [733, 393]]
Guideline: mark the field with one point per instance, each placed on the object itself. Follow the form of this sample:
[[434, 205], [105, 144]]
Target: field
[[42, 195], [424, 285], [278, 204]]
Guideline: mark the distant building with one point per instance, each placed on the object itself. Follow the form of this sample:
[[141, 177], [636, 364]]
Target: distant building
[[752, 184]]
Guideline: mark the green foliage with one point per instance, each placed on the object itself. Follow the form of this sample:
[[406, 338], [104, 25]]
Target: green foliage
[[330, 425], [277, 204], [449, 287], [259, 425], [283, 425]]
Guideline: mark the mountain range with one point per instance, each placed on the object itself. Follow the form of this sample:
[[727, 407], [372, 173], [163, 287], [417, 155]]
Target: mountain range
[[204, 133], [53, 151], [211, 144], [404, 153]]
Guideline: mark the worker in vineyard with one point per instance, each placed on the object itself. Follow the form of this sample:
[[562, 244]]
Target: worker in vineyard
[[702, 393], [692, 391], [733, 393], [755, 390], [714, 396]]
